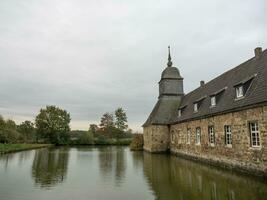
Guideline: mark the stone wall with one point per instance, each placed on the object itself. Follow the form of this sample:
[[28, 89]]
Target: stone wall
[[240, 155], [156, 138]]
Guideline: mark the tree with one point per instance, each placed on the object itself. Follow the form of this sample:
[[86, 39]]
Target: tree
[[10, 124], [107, 121], [52, 123], [27, 130], [86, 138], [121, 119], [8, 131], [93, 128]]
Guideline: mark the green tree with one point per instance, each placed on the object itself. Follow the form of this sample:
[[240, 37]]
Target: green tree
[[2, 123], [93, 128], [11, 125], [27, 131], [121, 119], [52, 123], [86, 138], [107, 121], [2, 130], [8, 131]]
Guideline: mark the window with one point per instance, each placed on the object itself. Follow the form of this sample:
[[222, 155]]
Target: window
[[239, 91], [213, 101], [211, 135], [179, 113], [198, 135], [195, 107], [254, 134], [179, 137], [188, 136], [228, 135], [173, 136]]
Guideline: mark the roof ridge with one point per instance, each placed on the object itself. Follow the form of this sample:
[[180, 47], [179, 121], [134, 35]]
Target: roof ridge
[[228, 71]]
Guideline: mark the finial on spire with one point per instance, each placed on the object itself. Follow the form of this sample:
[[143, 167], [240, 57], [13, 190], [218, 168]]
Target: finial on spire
[[169, 58]]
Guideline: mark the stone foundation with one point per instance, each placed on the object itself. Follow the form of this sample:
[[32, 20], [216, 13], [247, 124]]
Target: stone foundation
[[156, 138]]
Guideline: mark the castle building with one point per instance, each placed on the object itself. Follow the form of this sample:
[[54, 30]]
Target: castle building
[[222, 122]]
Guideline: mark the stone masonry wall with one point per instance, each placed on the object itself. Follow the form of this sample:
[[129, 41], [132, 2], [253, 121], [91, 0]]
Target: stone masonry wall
[[240, 155], [156, 138]]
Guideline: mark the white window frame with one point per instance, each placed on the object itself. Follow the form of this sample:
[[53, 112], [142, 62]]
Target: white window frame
[[188, 136], [228, 135], [179, 112], [239, 91], [211, 135], [172, 136], [213, 101], [195, 107], [254, 134], [198, 136]]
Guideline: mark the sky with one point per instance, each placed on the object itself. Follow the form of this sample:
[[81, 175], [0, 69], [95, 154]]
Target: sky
[[93, 56]]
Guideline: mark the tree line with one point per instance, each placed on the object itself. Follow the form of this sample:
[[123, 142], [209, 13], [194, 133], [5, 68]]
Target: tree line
[[52, 125]]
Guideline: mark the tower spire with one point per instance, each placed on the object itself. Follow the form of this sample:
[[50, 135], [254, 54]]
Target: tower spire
[[169, 64]]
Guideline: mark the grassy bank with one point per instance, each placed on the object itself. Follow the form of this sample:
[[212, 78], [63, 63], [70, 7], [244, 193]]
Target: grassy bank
[[8, 148], [102, 141]]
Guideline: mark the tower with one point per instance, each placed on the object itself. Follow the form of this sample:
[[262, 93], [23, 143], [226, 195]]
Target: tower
[[156, 128]]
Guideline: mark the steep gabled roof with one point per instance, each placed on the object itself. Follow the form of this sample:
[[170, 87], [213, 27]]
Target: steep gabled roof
[[254, 69], [163, 111]]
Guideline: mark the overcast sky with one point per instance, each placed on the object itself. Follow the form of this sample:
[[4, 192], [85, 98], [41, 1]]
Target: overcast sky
[[92, 56]]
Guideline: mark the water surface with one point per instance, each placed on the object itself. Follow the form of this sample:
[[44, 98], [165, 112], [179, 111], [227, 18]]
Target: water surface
[[116, 173]]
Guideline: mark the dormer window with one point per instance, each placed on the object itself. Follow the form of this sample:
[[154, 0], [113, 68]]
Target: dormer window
[[216, 96], [242, 87], [239, 91], [179, 112], [198, 103], [195, 107], [213, 101]]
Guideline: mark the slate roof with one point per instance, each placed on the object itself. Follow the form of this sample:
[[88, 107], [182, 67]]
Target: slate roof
[[255, 69], [163, 111], [171, 73]]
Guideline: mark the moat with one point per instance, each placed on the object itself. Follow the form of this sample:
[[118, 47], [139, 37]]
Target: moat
[[112, 172]]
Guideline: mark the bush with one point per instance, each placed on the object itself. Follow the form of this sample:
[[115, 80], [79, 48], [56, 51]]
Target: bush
[[101, 140], [85, 139]]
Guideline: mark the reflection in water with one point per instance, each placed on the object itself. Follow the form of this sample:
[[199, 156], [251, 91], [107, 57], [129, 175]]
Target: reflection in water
[[22, 157], [174, 178], [50, 166], [112, 163], [117, 173]]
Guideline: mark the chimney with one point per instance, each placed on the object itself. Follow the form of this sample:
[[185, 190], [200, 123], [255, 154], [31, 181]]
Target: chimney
[[258, 52], [202, 83]]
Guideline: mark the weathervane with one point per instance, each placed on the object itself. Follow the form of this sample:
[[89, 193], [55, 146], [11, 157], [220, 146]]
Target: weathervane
[[169, 57]]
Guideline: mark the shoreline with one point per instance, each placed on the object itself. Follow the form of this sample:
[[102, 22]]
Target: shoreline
[[12, 148]]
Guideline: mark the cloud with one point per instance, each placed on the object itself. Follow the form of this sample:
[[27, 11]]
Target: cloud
[[93, 56]]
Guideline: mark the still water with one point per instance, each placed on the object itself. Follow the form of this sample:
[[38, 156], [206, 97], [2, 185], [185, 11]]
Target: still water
[[117, 173]]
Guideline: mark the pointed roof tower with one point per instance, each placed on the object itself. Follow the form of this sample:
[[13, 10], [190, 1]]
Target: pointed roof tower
[[170, 95]]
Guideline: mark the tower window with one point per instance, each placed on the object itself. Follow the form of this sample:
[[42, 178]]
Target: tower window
[[213, 101], [254, 134], [239, 91], [195, 107]]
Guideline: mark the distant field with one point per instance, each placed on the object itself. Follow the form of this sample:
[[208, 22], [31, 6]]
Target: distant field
[[7, 148]]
